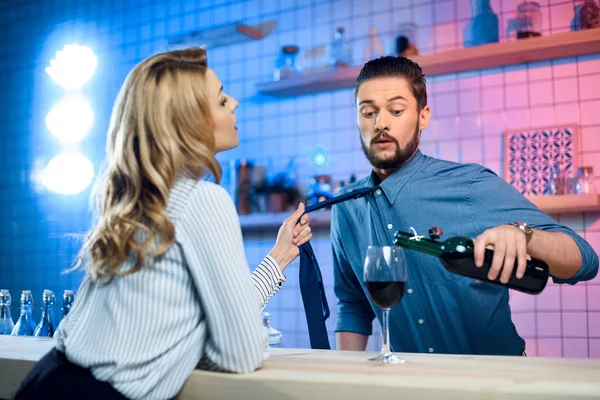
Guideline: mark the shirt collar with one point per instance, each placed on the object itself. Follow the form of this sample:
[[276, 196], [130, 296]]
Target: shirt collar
[[393, 184]]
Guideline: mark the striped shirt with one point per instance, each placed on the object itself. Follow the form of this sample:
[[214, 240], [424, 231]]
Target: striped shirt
[[195, 306]]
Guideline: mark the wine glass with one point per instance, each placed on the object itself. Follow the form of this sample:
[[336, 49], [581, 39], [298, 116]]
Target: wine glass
[[385, 276]]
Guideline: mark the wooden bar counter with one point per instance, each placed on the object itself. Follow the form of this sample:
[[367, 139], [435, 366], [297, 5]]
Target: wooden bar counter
[[308, 374]]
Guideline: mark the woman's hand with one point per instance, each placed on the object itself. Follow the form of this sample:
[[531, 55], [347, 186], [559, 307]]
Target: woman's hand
[[291, 235]]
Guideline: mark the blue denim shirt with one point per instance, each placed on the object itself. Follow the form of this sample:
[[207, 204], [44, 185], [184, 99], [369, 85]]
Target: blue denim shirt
[[441, 312]]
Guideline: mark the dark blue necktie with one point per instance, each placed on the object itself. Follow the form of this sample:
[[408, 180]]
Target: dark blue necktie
[[311, 280]]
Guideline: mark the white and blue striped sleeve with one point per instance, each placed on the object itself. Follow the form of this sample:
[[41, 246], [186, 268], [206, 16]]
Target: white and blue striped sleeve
[[210, 234], [268, 279]]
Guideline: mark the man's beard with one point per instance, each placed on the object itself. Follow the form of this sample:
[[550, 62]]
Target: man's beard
[[400, 157]]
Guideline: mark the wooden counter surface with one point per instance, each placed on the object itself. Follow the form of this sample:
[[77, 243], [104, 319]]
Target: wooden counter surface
[[307, 374]]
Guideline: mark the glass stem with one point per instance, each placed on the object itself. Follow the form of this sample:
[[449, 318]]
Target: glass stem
[[385, 348]]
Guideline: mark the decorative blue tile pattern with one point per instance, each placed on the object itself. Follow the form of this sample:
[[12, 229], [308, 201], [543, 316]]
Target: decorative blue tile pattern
[[532, 154]]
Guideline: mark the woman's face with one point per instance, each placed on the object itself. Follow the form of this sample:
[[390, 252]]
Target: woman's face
[[222, 108]]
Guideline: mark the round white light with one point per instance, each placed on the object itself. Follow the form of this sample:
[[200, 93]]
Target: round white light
[[71, 119], [68, 173], [319, 157], [73, 66]]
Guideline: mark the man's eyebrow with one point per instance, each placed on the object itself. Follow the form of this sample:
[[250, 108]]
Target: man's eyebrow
[[389, 100], [397, 98]]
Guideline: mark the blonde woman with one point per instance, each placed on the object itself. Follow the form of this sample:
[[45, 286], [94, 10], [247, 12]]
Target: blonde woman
[[167, 286]]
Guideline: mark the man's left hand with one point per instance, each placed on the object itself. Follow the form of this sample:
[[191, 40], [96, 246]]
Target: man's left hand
[[509, 243]]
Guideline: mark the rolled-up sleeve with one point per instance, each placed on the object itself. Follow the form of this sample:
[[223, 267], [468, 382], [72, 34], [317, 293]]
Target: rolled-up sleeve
[[497, 202], [354, 312]]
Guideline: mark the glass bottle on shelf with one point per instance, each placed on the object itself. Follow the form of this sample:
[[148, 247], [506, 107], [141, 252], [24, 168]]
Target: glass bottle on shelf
[[341, 51], [406, 40], [483, 27], [6, 321], [286, 66], [275, 336], [47, 325], [584, 183], [374, 48], [25, 325], [68, 299], [559, 181], [575, 23]]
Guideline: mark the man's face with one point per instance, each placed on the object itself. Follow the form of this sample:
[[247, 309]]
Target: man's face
[[389, 123]]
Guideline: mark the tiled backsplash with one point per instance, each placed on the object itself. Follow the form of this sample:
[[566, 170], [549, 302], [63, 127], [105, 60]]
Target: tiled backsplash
[[470, 112]]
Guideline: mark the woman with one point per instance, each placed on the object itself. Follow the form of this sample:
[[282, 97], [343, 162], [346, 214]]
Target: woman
[[167, 285]]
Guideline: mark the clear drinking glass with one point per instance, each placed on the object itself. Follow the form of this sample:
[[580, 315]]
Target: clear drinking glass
[[385, 276]]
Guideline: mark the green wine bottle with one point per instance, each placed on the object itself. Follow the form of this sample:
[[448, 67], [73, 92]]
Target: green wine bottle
[[457, 256]]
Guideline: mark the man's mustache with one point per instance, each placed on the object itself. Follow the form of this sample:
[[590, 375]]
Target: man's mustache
[[381, 136]]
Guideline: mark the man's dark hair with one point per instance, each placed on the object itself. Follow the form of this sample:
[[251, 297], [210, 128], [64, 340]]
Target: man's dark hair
[[396, 67]]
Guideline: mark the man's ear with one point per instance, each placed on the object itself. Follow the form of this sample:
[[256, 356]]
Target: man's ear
[[424, 118]]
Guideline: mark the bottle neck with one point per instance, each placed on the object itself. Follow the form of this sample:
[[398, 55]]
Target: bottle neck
[[5, 312], [423, 245], [479, 6], [26, 309], [47, 314], [454, 244]]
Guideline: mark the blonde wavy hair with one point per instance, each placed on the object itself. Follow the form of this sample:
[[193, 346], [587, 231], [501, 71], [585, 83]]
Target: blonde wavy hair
[[161, 125]]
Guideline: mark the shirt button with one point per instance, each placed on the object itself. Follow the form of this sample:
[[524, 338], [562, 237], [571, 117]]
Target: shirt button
[[378, 191], [409, 291], [421, 321], [431, 349], [390, 226]]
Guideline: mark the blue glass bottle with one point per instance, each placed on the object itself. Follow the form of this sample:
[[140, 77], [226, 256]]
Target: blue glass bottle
[[47, 325], [68, 299], [483, 28], [25, 325], [6, 321]]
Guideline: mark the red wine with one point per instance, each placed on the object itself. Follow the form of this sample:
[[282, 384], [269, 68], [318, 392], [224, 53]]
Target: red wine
[[457, 256], [386, 294]]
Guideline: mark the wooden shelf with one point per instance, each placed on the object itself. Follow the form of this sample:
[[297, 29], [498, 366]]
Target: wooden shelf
[[224, 35], [559, 204], [561, 45], [567, 203]]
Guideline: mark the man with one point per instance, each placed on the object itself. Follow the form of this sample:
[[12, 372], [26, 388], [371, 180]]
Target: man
[[441, 312]]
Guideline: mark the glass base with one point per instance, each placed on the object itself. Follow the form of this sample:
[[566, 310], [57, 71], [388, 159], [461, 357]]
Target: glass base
[[389, 358]]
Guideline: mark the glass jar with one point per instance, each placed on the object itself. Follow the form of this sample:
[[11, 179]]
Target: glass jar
[[275, 336], [589, 15], [528, 20], [585, 180], [286, 66]]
